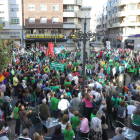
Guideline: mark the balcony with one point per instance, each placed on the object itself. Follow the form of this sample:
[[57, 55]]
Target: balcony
[[72, 2], [71, 13], [109, 18], [122, 24], [71, 25], [123, 2], [109, 8], [110, 26], [115, 4], [104, 21], [121, 13]]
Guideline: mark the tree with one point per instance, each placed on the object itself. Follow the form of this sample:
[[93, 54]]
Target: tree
[[5, 52]]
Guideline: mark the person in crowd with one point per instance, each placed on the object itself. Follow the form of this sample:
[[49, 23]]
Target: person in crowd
[[44, 114], [102, 106], [36, 136], [84, 126], [75, 102], [26, 123], [16, 110], [75, 123], [88, 105], [15, 83], [57, 134], [136, 121], [4, 129], [121, 112], [63, 105], [26, 98], [119, 135], [54, 106], [25, 135], [104, 123], [130, 109], [68, 132], [65, 120], [96, 127]]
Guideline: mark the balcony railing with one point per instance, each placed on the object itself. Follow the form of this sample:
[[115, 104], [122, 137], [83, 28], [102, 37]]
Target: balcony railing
[[68, 10]]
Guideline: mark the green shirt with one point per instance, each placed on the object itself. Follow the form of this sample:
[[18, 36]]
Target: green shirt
[[76, 64], [115, 102], [136, 120], [54, 103], [92, 116], [131, 70], [1, 102], [116, 65], [104, 66], [33, 97], [89, 66], [16, 109], [68, 134], [110, 62], [54, 88], [75, 122], [67, 83], [108, 70], [135, 71]]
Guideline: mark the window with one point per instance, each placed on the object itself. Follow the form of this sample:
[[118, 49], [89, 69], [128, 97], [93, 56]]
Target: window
[[55, 20], [43, 31], [55, 7], [43, 7], [133, 6], [15, 21], [31, 7], [2, 19], [1, 12], [43, 20], [14, 7], [31, 20]]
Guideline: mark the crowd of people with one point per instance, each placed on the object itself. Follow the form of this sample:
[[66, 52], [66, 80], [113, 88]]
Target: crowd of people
[[58, 94]]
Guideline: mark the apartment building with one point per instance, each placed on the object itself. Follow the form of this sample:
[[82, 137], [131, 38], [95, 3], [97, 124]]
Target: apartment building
[[122, 23], [50, 20], [11, 18]]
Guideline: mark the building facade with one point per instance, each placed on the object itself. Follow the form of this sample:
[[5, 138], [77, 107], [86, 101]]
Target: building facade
[[48, 20], [11, 18], [120, 23]]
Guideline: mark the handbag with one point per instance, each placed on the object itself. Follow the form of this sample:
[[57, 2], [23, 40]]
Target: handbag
[[96, 128], [13, 114], [27, 124], [104, 126]]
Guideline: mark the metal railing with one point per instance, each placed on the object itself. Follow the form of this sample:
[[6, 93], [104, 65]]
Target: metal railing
[[68, 10]]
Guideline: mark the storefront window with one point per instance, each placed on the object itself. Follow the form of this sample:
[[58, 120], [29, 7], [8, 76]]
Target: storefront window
[[27, 31]]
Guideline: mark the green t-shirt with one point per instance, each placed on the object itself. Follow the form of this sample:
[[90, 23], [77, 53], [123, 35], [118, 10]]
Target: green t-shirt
[[33, 97], [92, 116], [16, 109], [1, 102], [67, 83], [108, 70], [104, 66], [33, 80], [54, 88], [136, 120], [68, 135], [89, 66], [131, 70], [54, 103], [110, 62], [135, 71], [76, 64], [116, 65], [115, 102], [75, 122]]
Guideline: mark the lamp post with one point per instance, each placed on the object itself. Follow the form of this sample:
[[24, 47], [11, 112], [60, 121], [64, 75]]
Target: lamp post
[[84, 37]]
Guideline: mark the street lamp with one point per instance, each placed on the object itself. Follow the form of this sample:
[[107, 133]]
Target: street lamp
[[84, 37]]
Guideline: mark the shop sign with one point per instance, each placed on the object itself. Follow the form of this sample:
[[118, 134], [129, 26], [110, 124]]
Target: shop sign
[[37, 36]]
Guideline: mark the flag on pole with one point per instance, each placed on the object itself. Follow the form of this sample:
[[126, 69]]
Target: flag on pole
[[46, 69], [38, 70]]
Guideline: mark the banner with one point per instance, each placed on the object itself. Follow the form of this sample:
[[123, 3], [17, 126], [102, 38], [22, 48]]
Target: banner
[[47, 52], [57, 66], [108, 45], [51, 48]]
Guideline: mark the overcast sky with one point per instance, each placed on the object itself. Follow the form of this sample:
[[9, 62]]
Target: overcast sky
[[96, 4]]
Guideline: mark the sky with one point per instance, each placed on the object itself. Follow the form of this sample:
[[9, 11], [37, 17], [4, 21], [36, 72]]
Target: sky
[[96, 4]]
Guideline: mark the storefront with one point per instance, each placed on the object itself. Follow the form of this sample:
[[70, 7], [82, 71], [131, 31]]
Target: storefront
[[33, 40]]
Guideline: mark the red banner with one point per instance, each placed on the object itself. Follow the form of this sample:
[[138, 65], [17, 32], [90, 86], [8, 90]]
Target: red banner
[[47, 52], [51, 48], [18, 60]]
